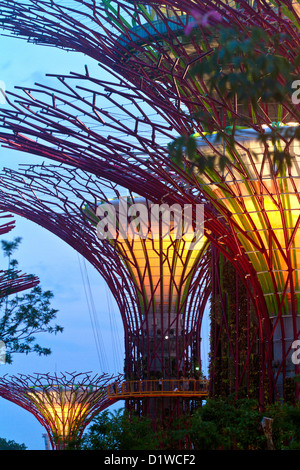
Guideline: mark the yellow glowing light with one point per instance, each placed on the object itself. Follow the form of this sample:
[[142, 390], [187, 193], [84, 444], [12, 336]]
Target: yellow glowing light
[[63, 409], [161, 264], [265, 207]]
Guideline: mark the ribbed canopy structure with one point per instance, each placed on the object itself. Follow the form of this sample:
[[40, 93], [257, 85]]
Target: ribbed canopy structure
[[63, 403]]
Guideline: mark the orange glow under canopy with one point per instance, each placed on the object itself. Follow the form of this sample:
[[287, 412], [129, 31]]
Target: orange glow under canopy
[[65, 410], [160, 256]]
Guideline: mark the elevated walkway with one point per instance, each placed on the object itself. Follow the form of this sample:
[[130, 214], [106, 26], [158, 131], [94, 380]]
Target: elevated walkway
[[188, 388]]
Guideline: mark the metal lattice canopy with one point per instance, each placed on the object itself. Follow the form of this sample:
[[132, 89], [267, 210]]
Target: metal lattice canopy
[[150, 58], [157, 78], [63, 403], [125, 150]]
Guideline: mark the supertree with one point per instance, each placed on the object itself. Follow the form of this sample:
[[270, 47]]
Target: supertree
[[160, 285], [147, 49], [63, 403]]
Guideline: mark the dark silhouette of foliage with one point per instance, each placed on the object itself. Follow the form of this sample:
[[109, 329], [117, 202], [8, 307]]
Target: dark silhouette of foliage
[[10, 445], [25, 314], [118, 431], [220, 424]]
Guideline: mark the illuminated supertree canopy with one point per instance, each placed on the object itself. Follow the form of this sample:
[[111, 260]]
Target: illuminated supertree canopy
[[150, 56], [63, 403]]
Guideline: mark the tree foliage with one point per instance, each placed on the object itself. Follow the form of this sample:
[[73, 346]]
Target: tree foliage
[[248, 65], [228, 424], [249, 68], [117, 431], [11, 445], [24, 315], [220, 424]]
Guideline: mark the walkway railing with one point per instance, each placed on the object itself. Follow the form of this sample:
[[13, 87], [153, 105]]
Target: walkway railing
[[159, 388]]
